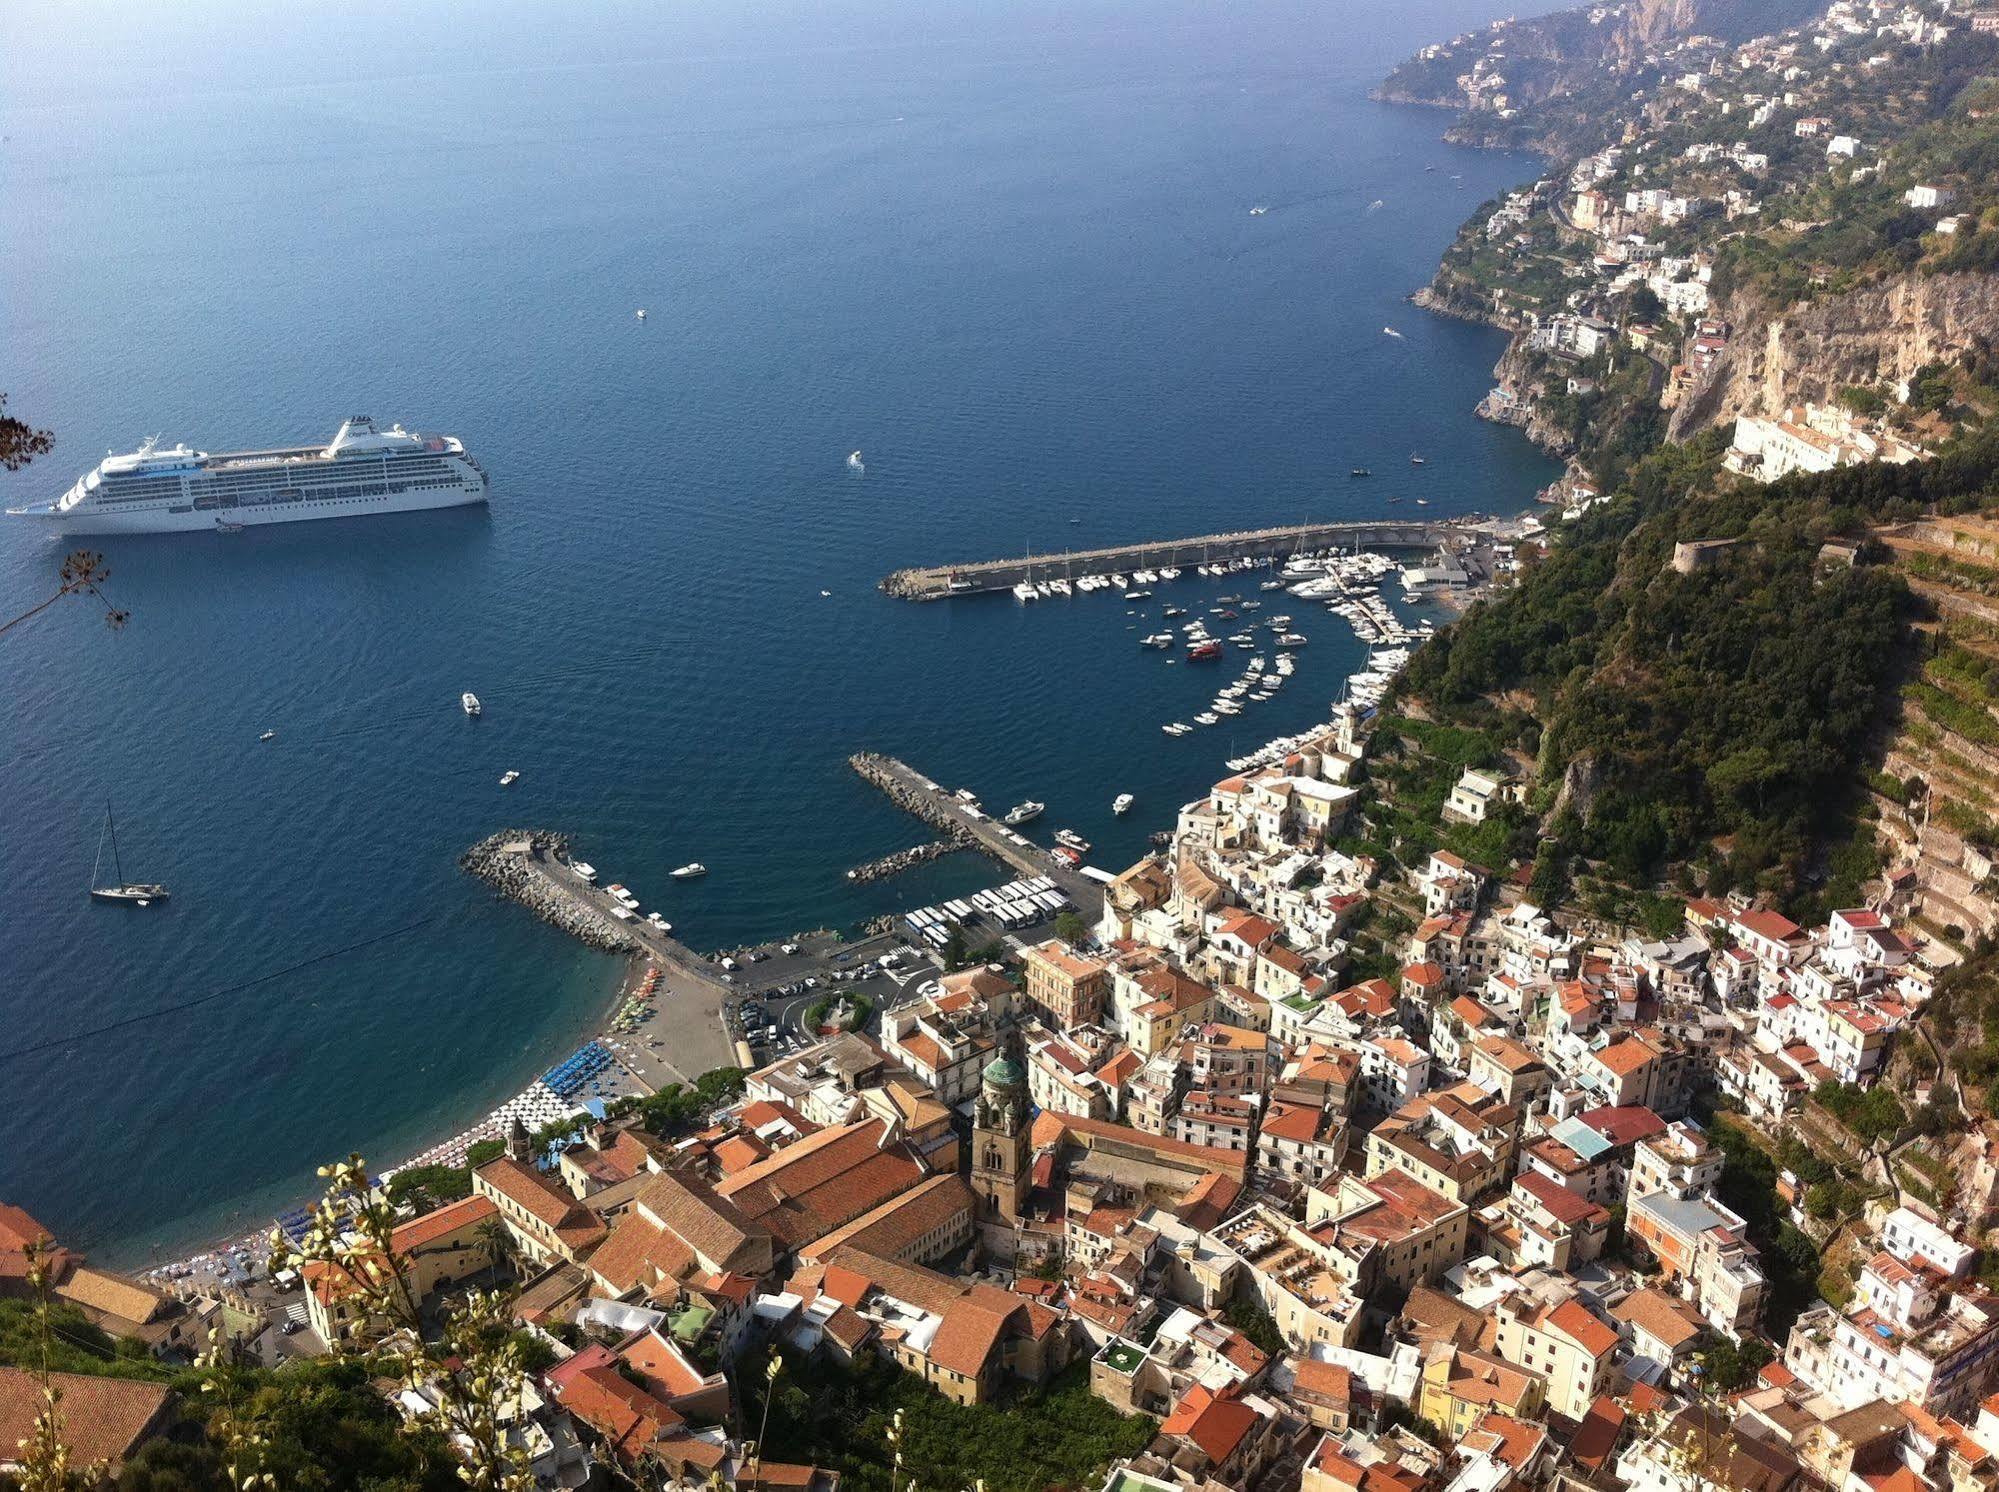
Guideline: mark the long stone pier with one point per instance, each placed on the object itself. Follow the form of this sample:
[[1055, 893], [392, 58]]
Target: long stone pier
[[912, 792], [936, 582]]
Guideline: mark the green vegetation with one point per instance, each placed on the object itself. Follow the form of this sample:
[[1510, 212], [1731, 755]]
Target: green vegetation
[[1718, 719], [325, 1427], [1247, 1315], [1748, 1187], [1037, 1439], [476, 1155], [1071, 928], [1873, 1114], [75, 1346], [428, 1187], [677, 1108], [1729, 1366]]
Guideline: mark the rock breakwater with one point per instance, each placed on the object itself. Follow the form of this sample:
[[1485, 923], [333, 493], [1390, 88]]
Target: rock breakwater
[[515, 863], [901, 860]]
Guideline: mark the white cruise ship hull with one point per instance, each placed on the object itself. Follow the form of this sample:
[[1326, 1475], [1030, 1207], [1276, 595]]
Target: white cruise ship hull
[[162, 521], [363, 472]]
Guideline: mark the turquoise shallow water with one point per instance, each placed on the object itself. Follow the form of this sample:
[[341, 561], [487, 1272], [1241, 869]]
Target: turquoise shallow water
[[1005, 250]]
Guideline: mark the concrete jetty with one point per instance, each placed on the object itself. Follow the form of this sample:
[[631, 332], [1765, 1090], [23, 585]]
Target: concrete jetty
[[936, 582], [937, 806]]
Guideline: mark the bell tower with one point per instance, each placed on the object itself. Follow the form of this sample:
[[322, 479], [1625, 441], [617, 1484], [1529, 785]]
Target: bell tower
[[1000, 1142]]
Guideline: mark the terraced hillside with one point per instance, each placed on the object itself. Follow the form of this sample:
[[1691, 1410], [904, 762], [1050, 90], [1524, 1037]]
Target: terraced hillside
[[1939, 787]]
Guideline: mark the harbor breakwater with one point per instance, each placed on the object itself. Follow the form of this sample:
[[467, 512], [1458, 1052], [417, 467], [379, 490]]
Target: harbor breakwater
[[512, 862], [885, 773], [901, 860], [937, 582]]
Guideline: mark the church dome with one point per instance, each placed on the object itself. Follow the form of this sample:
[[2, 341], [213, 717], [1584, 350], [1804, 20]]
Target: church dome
[[1003, 1072]]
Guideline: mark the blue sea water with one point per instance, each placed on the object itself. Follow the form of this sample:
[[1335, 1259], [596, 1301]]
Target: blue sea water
[[1006, 250]]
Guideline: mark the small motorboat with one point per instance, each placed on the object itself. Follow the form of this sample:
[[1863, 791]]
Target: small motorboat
[[640, 314], [1072, 840], [1120, 803], [1389, 331], [509, 777], [1360, 471], [269, 735], [689, 871], [854, 462], [1422, 502], [471, 703], [1415, 460], [825, 593], [584, 871], [658, 923], [1022, 813]]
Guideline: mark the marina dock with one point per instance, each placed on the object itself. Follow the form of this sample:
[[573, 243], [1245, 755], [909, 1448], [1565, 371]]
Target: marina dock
[[937, 582], [939, 807]]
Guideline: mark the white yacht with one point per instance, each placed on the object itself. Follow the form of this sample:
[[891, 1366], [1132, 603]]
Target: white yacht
[[1121, 803], [471, 703], [1021, 813], [583, 870], [176, 489], [509, 777], [689, 871], [1024, 592]]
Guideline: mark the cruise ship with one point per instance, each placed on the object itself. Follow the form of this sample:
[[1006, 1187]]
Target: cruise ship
[[174, 489]]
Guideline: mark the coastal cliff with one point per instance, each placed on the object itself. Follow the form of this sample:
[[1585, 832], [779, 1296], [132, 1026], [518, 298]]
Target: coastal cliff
[[1498, 77], [1881, 334]]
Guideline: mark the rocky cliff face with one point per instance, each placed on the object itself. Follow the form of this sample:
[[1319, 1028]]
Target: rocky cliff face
[[1879, 334]]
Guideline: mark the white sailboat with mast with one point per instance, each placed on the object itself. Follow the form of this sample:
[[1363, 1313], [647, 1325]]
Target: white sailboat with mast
[[129, 893]]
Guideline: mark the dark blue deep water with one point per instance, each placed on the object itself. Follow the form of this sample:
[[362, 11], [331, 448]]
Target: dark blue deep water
[[1005, 249]]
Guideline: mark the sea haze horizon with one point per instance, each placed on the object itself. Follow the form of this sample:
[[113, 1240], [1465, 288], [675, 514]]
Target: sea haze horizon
[[1006, 251]]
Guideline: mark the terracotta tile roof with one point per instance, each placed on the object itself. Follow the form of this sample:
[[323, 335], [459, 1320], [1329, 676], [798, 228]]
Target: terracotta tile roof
[[1326, 1380], [1424, 976], [1770, 925], [113, 1295], [1624, 1124], [1659, 1315], [559, 1214], [1510, 1055], [706, 1221], [18, 1230], [629, 1420], [1248, 926], [739, 1152], [970, 1330], [1209, 1201], [1061, 1129], [1566, 1206], [1577, 1324], [899, 1222], [668, 1375], [1593, 1442], [808, 1189], [421, 1232], [1292, 1121], [1625, 1056], [103, 1419], [640, 1252]]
